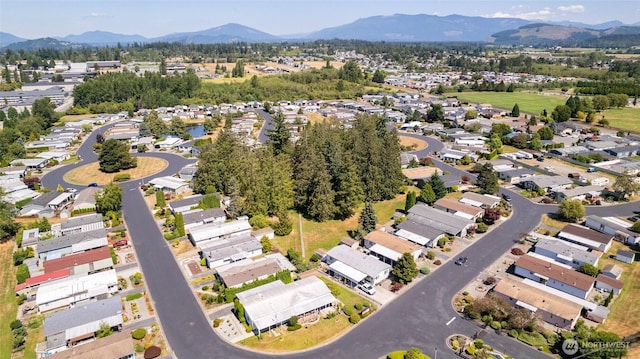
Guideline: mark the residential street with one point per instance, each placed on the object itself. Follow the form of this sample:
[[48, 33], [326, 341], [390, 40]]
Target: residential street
[[418, 317]]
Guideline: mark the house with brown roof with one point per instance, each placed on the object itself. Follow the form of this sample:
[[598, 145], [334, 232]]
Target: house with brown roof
[[116, 345], [557, 276], [389, 248], [420, 175], [91, 261], [237, 275], [608, 284], [584, 236], [458, 208], [549, 308]]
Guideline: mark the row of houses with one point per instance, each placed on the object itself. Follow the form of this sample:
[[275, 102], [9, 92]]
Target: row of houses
[[552, 287]]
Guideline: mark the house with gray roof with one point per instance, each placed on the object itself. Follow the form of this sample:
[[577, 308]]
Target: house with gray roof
[[545, 182], [78, 242], [480, 200], [201, 217], [65, 328], [614, 228], [228, 250], [86, 198], [421, 234], [214, 231], [565, 252], [448, 222], [515, 175], [355, 267], [590, 192], [185, 204], [86, 223]]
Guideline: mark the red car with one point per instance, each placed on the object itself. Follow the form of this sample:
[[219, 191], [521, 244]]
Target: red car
[[121, 243]]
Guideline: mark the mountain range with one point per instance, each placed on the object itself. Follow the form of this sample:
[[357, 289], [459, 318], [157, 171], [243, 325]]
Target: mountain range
[[393, 28]]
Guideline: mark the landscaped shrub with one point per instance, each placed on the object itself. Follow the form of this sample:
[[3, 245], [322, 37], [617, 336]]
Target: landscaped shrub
[[398, 354], [455, 345], [425, 270], [139, 333], [205, 287], [465, 293], [481, 228], [504, 325], [22, 273], [535, 340], [496, 325], [217, 322], [293, 328], [354, 318], [121, 177], [431, 255], [478, 343], [133, 296], [490, 280], [15, 324], [396, 287], [513, 333], [437, 262], [348, 311], [138, 348], [473, 315], [358, 306], [517, 251], [487, 319], [471, 350]]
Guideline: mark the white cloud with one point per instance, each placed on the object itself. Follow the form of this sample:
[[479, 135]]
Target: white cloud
[[533, 15], [571, 8], [98, 14]]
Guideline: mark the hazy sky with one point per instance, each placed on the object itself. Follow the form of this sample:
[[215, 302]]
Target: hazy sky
[[150, 18]]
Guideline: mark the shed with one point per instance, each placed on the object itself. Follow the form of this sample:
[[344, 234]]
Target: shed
[[625, 256], [612, 270]]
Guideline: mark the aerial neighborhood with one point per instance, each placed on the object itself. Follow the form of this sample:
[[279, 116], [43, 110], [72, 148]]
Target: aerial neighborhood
[[170, 199]]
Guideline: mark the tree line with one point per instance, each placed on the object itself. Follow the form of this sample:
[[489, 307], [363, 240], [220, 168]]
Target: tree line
[[325, 175]]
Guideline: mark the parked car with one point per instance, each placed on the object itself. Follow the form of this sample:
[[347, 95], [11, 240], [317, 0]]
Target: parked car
[[121, 243], [71, 190], [92, 184], [540, 159], [633, 219], [461, 261], [367, 288], [506, 197], [592, 169]]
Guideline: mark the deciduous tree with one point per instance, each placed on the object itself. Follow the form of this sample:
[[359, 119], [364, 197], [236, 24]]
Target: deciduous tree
[[571, 210], [109, 199]]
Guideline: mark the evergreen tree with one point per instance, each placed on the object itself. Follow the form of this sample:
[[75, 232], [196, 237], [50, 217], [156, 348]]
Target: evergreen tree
[[144, 130], [115, 156], [368, 219], [8, 226], [488, 179], [410, 201], [160, 201], [427, 195], [163, 67], [180, 224], [515, 111], [279, 137], [233, 209], [405, 269], [322, 196], [438, 186]]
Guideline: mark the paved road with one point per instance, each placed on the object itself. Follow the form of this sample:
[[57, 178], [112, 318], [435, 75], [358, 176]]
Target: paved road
[[268, 125], [86, 154], [416, 318]]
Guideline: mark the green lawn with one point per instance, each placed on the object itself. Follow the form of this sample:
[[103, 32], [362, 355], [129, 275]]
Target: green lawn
[[528, 102], [624, 118], [328, 234]]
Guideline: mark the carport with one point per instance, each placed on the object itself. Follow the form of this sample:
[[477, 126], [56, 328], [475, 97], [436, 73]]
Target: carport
[[350, 275]]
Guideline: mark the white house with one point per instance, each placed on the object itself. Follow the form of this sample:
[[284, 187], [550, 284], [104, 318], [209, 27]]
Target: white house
[[565, 252], [169, 184], [614, 228], [271, 305], [228, 250], [213, 231], [558, 276], [586, 237], [625, 256], [609, 284], [86, 223], [355, 267], [76, 288]]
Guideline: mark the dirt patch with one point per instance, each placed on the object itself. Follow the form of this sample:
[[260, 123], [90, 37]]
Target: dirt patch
[[414, 143], [90, 173]]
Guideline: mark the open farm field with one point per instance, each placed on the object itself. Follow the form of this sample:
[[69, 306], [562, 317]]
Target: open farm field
[[528, 102]]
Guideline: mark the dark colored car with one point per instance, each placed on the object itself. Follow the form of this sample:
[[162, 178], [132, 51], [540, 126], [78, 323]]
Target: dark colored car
[[506, 197], [92, 184], [461, 261], [540, 159]]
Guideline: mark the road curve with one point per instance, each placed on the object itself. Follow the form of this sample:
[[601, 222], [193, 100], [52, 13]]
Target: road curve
[[418, 317]]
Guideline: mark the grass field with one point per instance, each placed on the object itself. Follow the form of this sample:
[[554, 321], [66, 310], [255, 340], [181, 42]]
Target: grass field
[[625, 118], [90, 173], [8, 304], [528, 102], [414, 143], [328, 234], [73, 118], [624, 318]]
